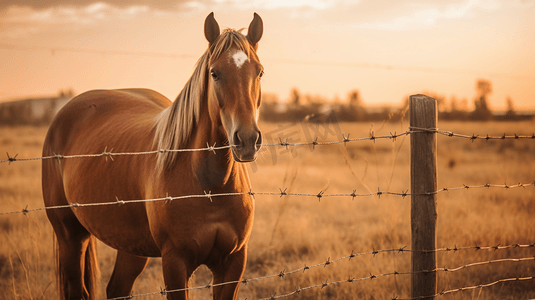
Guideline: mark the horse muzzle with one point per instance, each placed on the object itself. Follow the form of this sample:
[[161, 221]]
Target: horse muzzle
[[245, 144]]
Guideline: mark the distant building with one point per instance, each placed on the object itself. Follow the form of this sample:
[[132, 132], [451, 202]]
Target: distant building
[[36, 111]]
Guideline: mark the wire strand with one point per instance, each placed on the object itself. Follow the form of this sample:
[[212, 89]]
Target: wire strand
[[344, 140]]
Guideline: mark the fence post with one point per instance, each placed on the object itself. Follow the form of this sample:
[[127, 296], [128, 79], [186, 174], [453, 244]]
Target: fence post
[[423, 114]]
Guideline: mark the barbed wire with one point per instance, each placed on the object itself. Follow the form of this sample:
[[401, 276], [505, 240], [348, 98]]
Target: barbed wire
[[212, 148], [281, 143], [328, 262], [111, 154], [444, 269], [351, 280], [462, 289], [280, 193], [473, 136], [319, 196], [281, 274]]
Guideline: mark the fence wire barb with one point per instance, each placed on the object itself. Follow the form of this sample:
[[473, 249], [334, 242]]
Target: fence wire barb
[[462, 289], [281, 193], [286, 144], [282, 274], [444, 292]]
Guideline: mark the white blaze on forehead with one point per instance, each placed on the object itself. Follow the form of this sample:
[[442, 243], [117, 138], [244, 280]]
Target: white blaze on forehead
[[240, 58]]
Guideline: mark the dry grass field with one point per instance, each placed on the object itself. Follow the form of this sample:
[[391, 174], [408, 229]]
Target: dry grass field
[[291, 232]]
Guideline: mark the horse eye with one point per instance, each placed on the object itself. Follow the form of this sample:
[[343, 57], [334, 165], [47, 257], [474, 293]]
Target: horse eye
[[261, 74], [214, 75]]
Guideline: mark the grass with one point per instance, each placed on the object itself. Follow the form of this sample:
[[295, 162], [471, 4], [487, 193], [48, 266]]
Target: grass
[[291, 232]]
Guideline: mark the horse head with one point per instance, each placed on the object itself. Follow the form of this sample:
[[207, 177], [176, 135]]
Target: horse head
[[233, 88]]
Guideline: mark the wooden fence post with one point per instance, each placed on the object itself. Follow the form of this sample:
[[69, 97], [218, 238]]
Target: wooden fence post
[[423, 114]]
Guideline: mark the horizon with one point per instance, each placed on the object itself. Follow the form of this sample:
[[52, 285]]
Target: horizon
[[338, 101], [386, 50]]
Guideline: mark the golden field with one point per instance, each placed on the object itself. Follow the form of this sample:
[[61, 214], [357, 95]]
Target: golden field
[[291, 232]]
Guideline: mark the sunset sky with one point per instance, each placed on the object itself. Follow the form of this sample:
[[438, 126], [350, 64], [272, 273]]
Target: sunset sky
[[385, 49]]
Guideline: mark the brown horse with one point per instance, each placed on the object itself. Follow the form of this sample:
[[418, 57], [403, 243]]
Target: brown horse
[[218, 105]]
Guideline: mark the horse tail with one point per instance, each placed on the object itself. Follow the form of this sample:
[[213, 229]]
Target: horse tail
[[91, 272], [60, 279]]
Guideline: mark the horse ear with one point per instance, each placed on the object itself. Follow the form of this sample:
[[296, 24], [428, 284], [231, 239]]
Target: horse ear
[[256, 28], [211, 28]]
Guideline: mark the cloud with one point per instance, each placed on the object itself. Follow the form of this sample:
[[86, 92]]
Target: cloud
[[43, 4], [404, 15], [278, 4], [69, 15], [20, 21], [20, 17], [415, 15]]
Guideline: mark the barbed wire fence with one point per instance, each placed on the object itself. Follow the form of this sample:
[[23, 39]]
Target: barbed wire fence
[[319, 196], [282, 192], [282, 274], [345, 139]]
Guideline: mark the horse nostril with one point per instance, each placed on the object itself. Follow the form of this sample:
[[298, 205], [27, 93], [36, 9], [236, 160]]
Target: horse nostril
[[259, 140], [237, 141]]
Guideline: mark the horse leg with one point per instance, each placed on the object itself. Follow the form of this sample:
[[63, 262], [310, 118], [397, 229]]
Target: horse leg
[[127, 269], [76, 261], [177, 270], [231, 269]]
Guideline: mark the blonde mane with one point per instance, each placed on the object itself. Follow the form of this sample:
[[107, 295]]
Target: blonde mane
[[175, 124]]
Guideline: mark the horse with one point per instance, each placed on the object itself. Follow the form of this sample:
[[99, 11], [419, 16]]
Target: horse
[[219, 105]]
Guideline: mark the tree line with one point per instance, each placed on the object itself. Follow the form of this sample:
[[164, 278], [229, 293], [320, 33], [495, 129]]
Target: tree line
[[299, 107]]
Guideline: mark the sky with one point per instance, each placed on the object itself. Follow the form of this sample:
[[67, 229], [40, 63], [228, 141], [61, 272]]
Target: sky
[[385, 49]]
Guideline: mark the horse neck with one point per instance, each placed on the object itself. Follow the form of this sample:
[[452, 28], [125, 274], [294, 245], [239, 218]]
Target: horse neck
[[213, 170]]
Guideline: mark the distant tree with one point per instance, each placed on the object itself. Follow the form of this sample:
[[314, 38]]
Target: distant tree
[[314, 99], [457, 109], [405, 103], [354, 99], [271, 107], [441, 100], [484, 87], [295, 97], [510, 107], [482, 111], [454, 104], [441, 103], [463, 105], [356, 106]]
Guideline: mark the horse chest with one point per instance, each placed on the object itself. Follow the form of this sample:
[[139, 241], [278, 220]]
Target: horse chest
[[223, 223]]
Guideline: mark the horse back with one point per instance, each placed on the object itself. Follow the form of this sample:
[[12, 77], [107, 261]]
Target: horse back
[[97, 108]]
